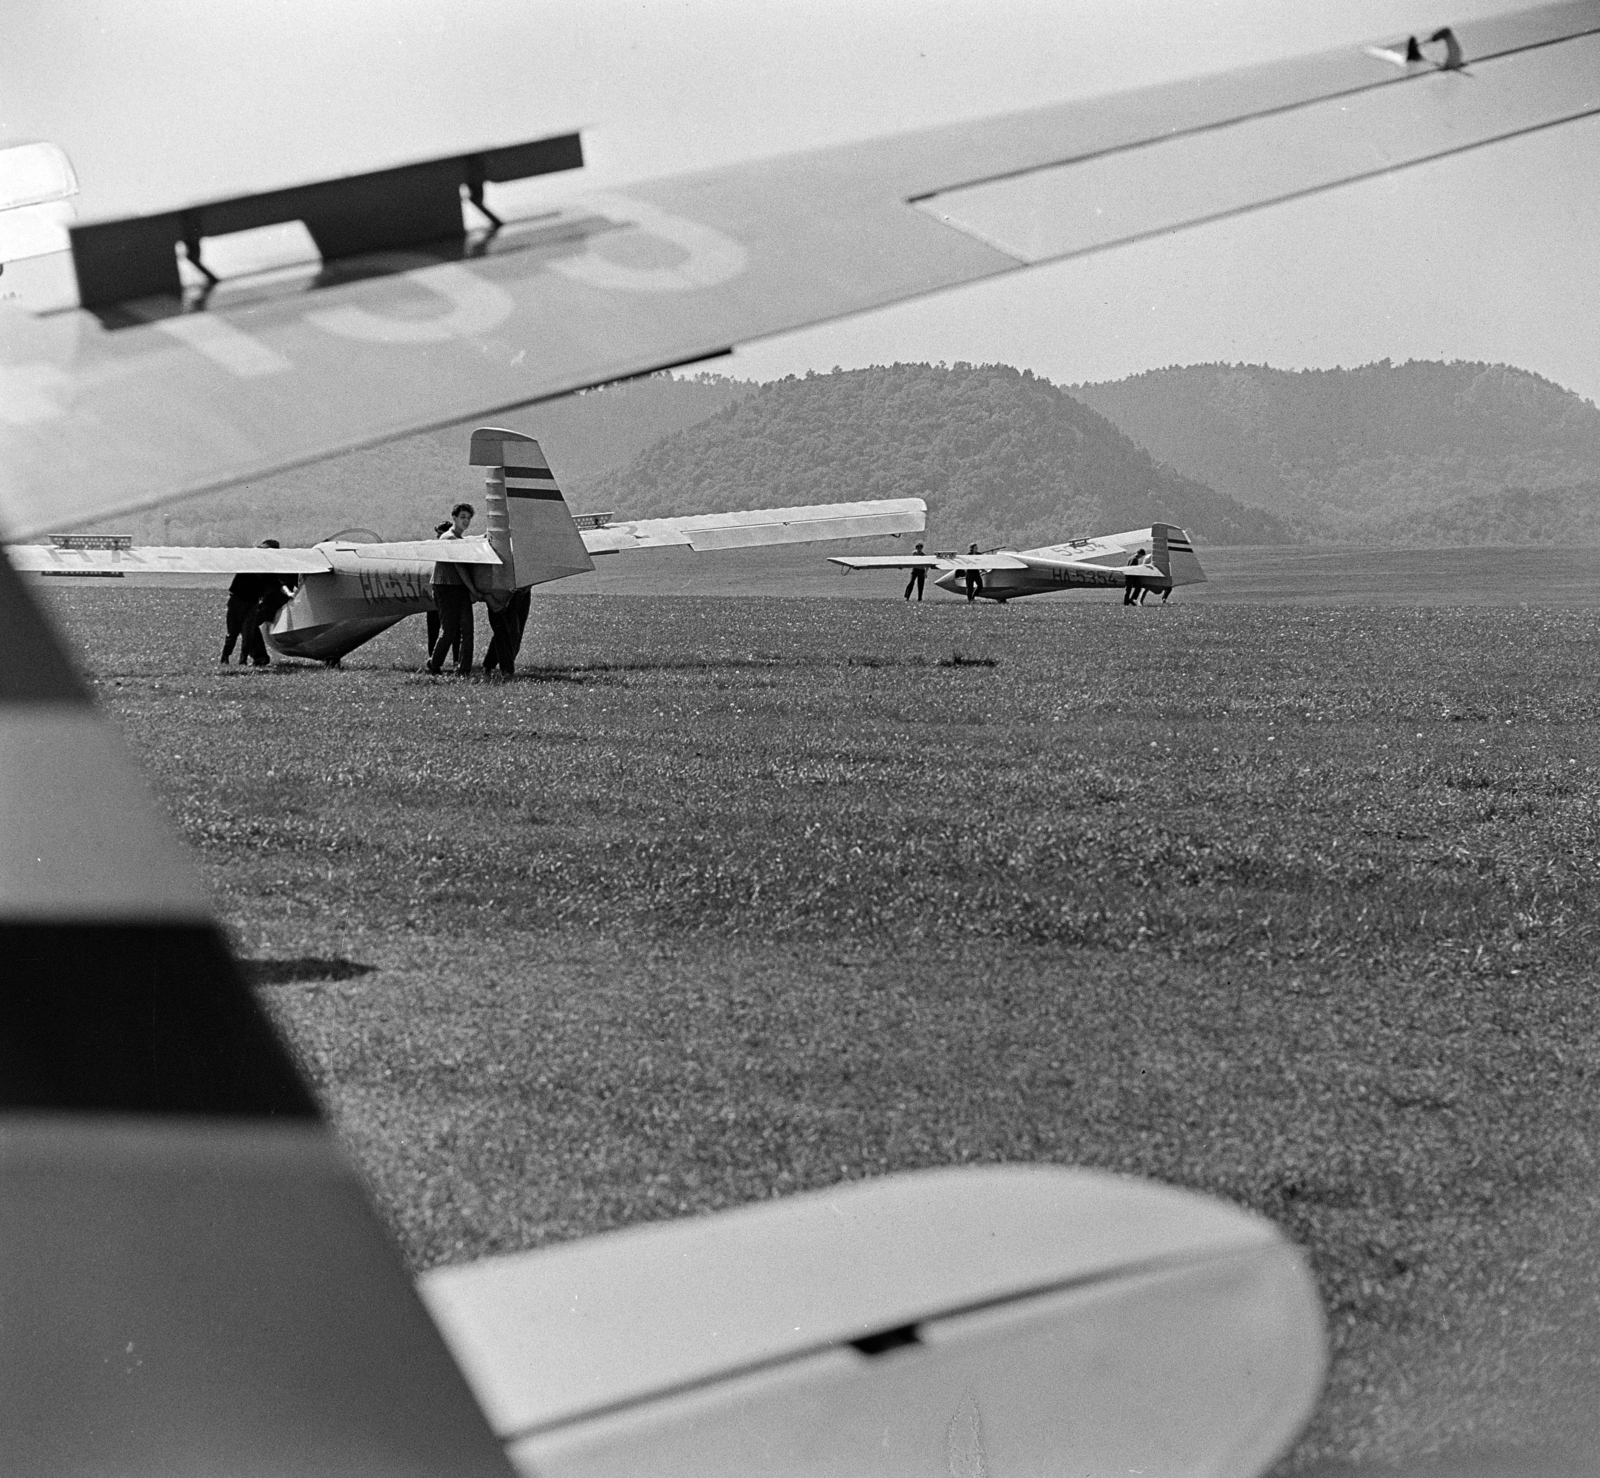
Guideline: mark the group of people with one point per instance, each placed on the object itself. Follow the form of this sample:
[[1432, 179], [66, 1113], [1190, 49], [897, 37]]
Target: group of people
[[451, 628], [254, 600], [919, 576], [1134, 592]]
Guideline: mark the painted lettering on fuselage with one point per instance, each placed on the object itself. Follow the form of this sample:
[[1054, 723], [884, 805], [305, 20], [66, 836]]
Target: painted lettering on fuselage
[[391, 585], [1083, 577]]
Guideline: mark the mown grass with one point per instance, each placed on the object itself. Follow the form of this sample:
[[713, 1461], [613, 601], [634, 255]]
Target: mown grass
[[723, 899]]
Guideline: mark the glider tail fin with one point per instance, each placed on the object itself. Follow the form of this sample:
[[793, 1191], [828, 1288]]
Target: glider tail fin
[[1174, 555], [530, 526]]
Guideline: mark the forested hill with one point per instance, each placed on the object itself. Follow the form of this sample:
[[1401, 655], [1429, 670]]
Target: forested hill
[[402, 488], [1415, 453], [1002, 457]]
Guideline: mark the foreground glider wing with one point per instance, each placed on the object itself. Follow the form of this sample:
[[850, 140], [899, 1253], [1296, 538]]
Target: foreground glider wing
[[803, 525], [192, 1278], [192, 388], [924, 1313]]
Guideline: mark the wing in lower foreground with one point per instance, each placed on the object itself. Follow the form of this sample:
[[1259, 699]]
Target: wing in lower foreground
[[1037, 1319], [803, 525], [285, 367], [193, 1281]]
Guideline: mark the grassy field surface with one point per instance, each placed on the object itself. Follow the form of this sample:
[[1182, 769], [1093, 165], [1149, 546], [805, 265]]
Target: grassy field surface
[[727, 898]]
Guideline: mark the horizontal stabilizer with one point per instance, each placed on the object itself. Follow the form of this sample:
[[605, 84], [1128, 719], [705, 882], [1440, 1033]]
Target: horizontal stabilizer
[[763, 526], [1090, 567], [1045, 1314], [439, 551], [47, 559]]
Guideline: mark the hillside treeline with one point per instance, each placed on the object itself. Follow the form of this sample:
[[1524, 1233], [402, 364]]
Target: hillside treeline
[[400, 489], [1417, 453], [1001, 455]]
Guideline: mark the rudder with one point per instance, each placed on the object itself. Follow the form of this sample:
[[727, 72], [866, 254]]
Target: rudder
[[527, 511], [1173, 554]]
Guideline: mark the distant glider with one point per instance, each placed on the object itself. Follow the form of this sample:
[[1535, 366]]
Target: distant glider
[[351, 590], [1006, 574]]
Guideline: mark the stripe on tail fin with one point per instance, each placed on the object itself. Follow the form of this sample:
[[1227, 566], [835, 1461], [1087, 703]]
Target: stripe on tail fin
[[525, 503]]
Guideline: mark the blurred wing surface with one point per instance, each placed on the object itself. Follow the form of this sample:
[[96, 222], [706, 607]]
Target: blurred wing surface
[[1043, 1320], [264, 371], [193, 1279]]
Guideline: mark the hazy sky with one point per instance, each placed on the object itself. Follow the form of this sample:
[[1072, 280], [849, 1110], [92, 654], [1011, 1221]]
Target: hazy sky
[[1487, 256]]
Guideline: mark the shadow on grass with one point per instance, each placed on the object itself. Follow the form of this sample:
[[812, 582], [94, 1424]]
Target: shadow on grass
[[305, 967]]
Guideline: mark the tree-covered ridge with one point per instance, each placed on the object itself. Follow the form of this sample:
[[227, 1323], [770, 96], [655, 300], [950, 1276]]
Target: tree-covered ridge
[[1422, 452], [400, 489], [1001, 455]]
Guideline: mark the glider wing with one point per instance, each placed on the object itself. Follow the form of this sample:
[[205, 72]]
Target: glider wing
[[801, 525], [892, 561], [261, 371], [842, 1301], [52, 559]]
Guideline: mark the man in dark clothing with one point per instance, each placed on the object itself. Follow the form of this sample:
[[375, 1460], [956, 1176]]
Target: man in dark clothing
[[245, 594], [452, 590], [974, 578], [1131, 590], [918, 576], [507, 625], [277, 594], [439, 531], [242, 597]]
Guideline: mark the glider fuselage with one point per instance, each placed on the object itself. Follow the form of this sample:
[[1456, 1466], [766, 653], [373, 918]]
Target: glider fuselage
[[1040, 579], [1158, 558], [333, 613]]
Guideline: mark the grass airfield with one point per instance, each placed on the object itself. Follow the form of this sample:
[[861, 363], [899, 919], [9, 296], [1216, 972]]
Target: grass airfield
[[724, 898]]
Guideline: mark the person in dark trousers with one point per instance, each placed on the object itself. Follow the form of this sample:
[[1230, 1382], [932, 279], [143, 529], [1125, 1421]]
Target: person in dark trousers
[[453, 590], [1132, 589], [974, 578], [439, 531], [244, 595], [507, 625], [918, 577], [276, 594]]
